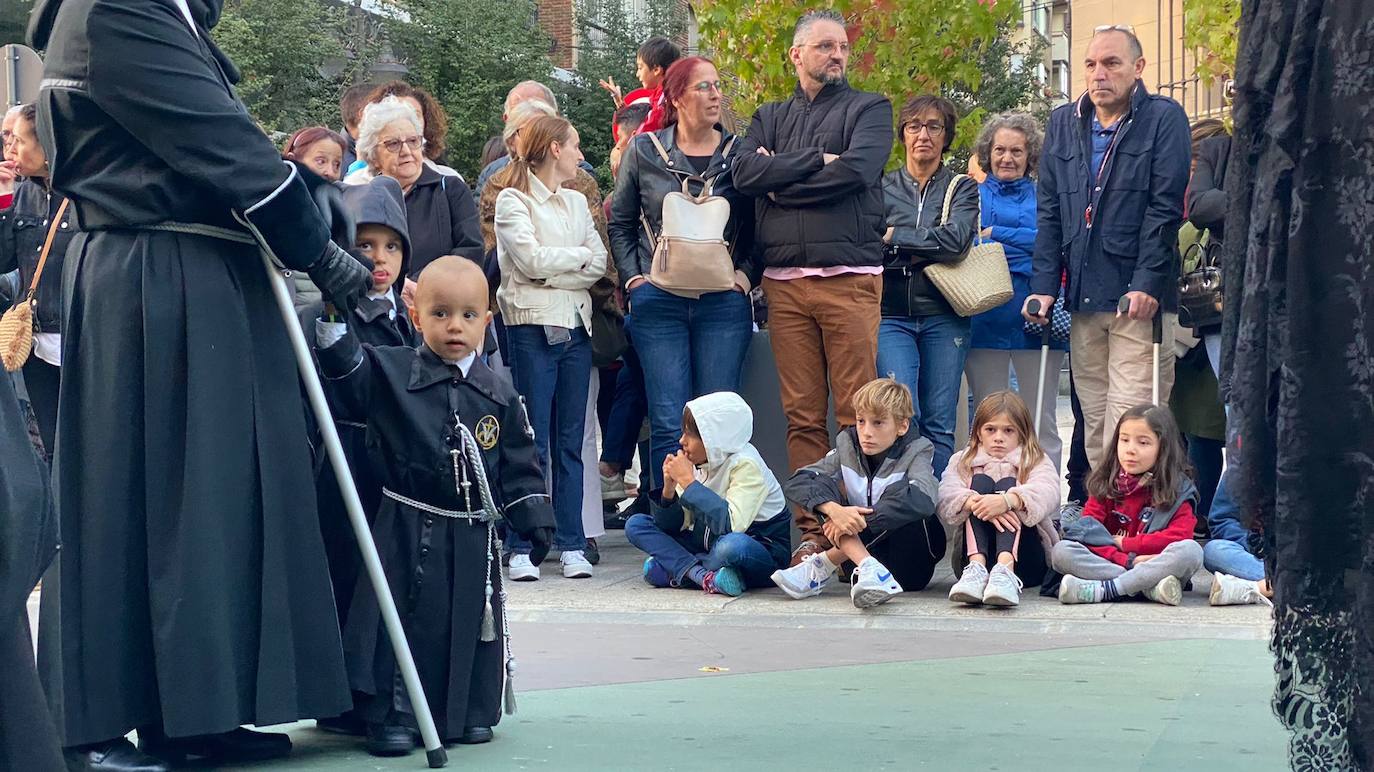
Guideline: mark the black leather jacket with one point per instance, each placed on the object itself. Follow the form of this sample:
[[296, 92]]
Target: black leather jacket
[[645, 179], [23, 229], [919, 239]]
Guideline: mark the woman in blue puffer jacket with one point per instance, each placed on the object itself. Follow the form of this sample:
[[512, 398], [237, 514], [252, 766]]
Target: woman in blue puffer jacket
[[1009, 150]]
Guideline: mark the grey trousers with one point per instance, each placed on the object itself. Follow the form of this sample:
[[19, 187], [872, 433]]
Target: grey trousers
[[1181, 559], [987, 372]]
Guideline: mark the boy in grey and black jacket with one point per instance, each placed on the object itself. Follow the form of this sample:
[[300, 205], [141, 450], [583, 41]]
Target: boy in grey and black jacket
[[877, 485]]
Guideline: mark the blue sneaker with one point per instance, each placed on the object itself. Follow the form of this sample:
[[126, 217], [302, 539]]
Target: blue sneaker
[[655, 575], [723, 581]]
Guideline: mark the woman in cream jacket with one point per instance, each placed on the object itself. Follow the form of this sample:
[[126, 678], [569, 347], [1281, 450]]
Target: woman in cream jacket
[[549, 252]]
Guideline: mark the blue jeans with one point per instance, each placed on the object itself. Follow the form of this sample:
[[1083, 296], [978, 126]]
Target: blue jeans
[[554, 381], [927, 354], [687, 348], [1231, 558], [677, 553], [628, 408]]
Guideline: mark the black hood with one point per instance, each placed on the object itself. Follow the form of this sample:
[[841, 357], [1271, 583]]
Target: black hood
[[205, 13], [380, 202]]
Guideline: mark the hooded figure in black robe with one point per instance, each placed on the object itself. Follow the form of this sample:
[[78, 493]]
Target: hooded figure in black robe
[[1299, 355], [28, 541], [195, 596]]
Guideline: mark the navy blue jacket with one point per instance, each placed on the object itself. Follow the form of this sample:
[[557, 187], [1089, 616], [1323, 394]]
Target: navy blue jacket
[[1132, 243]]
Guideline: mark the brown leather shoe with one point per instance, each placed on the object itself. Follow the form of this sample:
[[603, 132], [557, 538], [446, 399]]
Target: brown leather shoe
[[805, 550]]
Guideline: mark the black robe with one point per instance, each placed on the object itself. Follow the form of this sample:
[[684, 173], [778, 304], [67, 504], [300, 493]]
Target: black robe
[[196, 593], [28, 540], [434, 564], [373, 326], [1299, 335]]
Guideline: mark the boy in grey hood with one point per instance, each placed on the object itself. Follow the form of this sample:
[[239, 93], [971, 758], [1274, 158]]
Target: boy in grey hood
[[722, 523]]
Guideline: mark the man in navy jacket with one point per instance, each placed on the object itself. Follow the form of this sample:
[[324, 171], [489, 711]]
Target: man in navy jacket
[[1110, 202]]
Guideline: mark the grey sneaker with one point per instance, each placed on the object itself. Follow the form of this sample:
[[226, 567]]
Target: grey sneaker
[[1075, 590], [1169, 591], [969, 588], [1004, 587]]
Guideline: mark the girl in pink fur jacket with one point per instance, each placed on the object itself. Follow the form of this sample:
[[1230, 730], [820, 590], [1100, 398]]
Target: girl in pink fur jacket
[[996, 499]]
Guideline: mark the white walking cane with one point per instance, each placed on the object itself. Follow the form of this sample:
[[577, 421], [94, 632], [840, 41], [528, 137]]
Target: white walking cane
[[1033, 308], [434, 747], [1124, 306]]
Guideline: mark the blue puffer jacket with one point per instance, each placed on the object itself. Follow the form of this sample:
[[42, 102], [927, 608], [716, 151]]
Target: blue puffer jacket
[[1009, 209]]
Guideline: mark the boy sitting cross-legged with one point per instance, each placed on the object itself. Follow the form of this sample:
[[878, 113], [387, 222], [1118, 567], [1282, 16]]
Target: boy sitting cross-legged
[[875, 494]]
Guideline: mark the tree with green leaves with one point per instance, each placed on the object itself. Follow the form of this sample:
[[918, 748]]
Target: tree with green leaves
[[1010, 83], [296, 58], [468, 54], [608, 40], [1211, 27], [901, 48]]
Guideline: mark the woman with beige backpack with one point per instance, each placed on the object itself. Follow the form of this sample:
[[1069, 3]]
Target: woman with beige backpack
[[34, 233], [682, 238]]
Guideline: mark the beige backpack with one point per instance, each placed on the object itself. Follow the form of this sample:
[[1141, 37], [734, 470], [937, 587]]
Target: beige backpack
[[691, 256]]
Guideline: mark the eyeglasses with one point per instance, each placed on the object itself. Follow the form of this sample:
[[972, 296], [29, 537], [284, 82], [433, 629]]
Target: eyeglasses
[[414, 144], [828, 47], [934, 128], [706, 86], [1113, 28]]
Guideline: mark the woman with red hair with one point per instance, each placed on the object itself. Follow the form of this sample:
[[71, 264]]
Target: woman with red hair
[[708, 332]]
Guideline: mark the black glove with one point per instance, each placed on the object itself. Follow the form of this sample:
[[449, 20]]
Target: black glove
[[343, 277], [540, 541]]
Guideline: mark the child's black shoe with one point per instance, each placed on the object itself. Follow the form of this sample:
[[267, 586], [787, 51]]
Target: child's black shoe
[[389, 740]]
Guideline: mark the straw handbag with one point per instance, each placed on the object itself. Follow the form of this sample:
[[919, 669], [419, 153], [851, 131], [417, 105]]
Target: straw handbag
[[980, 281], [16, 326]]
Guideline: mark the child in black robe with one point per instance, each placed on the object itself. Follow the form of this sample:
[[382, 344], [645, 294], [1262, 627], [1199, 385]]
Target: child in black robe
[[380, 319], [429, 411]]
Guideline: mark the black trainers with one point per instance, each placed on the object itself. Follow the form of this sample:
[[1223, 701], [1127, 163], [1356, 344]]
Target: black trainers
[[239, 745], [591, 552]]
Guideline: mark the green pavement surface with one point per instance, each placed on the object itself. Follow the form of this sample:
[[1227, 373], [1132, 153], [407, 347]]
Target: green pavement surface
[[1159, 705]]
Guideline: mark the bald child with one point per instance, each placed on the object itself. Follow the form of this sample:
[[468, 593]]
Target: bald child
[[430, 411]]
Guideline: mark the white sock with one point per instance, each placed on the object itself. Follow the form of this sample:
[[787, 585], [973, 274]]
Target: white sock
[[830, 568]]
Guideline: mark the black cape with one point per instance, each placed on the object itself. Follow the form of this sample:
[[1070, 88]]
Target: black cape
[[1299, 332], [435, 565], [196, 594]]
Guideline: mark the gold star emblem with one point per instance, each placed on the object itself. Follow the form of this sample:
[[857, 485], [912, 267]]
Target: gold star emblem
[[488, 431]]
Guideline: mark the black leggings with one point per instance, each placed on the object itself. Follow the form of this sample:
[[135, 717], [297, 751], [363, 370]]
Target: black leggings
[[43, 381], [983, 538]]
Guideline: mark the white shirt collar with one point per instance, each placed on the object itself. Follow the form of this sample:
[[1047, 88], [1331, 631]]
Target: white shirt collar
[[391, 312], [464, 364], [186, 12]]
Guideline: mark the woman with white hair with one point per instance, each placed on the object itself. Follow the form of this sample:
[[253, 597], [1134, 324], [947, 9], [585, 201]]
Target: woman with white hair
[[439, 208], [1008, 149]]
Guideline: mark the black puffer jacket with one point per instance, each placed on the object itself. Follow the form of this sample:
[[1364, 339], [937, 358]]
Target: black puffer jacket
[[443, 220], [643, 182], [919, 238], [23, 229], [811, 214]]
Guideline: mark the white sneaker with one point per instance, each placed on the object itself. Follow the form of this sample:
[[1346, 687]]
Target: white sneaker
[[522, 570], [806, 579], [872, 584], [1230, 590], [970, 587], [612, 487], [575, 565], [1169, 591], [1004, 587]]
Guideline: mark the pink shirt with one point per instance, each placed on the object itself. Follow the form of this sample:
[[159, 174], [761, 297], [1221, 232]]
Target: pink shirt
[[788, 274]]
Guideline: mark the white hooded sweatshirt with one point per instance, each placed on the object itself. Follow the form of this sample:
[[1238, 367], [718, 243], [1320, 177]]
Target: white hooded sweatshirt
[[734, 470]]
